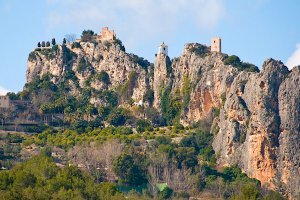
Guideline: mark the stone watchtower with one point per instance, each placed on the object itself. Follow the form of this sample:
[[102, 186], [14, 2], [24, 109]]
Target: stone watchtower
[[216, 45], [163, 49], [107, 35]]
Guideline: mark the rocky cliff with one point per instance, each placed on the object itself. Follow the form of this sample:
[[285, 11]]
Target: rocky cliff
[[257, 120], [87, 60], [254, 116]]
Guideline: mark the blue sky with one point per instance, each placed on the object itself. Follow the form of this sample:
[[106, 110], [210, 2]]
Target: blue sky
[[252, 29]]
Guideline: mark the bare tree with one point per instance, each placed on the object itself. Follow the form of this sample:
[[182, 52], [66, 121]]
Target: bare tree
[[70, 38], [97, 159], [163, 169]]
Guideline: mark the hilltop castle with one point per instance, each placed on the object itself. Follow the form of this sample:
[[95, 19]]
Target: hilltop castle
[[107, 35]]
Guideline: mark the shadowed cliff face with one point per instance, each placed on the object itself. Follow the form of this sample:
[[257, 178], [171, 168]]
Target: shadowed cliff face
[[254, 116]]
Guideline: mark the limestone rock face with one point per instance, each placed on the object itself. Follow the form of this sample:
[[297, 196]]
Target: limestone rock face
[[39, 64], [289, 140], [207, 77], [258, 123], [249, 122], [161, 77], [88, 59], [254, 116]]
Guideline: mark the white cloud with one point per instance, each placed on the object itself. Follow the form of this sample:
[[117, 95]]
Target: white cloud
[[139, 20], [3, 91], [294, 59]]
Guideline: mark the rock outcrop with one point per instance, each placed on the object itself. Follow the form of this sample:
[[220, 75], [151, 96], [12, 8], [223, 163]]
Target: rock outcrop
[[161, 77], [249, 122], [86, 60], [254, 116], [257, 121], [288, 161]]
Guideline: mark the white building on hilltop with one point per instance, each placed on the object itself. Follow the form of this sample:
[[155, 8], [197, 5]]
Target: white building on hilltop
[[163, 49]]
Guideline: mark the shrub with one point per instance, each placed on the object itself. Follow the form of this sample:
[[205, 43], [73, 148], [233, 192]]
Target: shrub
[[170, 105], [80, 125], [248, 67], [216, 111], [250, 191], [128, 170], [149, 96], [232, 60], [123, 130], [82, 65], [87, 35], [103, 77], [272, 195], [153, 115], [223, 98], [118, 117], [13, 96], [236, 62], [178, 127], [110, 98], [163, 140], [141, 61], [67, 53], [126, 90], [55, 48], [40, 178], [186, 92], [32, 56], [119, 42], [143, 125], [76, 45], [166, 193]]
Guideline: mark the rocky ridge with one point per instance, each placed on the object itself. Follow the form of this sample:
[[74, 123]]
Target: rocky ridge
[[254, 116]]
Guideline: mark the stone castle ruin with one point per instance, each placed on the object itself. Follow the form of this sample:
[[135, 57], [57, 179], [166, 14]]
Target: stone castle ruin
[[107, 35]]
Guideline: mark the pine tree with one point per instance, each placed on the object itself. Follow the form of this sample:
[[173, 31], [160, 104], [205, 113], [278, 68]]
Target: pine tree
[[53, 42]]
